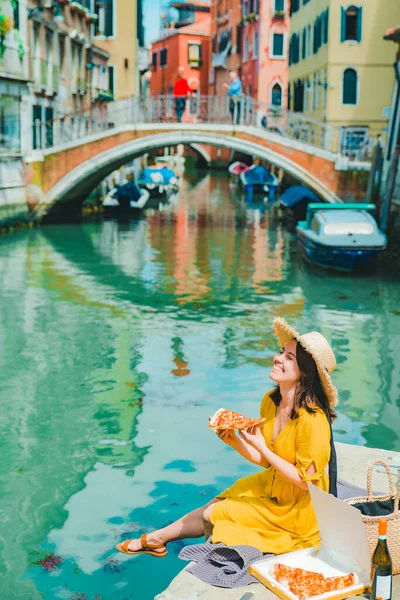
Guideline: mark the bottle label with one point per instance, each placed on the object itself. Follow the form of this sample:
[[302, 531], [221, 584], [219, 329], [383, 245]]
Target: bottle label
[[384, 587]]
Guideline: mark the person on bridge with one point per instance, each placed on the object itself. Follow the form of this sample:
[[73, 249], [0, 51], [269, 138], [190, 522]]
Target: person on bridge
[[180, 94], [272, 509], [234, 93]]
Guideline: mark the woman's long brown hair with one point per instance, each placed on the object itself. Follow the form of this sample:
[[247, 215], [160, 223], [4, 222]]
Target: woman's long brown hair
[[309, 393]]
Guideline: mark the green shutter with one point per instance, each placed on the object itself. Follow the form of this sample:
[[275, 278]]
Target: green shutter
[[343, 24], [359, 24], [109, 18]]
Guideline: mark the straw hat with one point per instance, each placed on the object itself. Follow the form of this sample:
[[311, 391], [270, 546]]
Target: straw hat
[[320, 350]]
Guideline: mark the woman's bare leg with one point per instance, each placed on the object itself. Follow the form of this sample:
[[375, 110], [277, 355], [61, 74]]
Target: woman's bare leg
[[192, 525]]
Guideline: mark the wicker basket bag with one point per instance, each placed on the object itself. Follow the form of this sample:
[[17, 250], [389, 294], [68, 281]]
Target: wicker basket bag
[[393, 519]]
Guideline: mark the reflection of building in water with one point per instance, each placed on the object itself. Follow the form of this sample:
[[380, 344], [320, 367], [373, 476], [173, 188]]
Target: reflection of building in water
[[268, 262]]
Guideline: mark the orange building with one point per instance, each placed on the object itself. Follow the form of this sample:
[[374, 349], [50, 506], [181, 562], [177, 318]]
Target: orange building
[[184, 47], [264, 51], [226, 36]]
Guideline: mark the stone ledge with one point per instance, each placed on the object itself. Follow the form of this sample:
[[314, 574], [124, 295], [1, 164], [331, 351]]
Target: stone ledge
[[353, 462]]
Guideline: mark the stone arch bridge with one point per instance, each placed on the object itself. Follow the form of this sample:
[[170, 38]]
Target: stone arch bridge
[[71, 168]]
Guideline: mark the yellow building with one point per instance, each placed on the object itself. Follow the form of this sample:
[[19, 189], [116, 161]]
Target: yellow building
[[340, 68], [118, 33]]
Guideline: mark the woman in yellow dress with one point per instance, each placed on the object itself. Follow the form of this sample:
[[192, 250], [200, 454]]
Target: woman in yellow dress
[[272, 509]]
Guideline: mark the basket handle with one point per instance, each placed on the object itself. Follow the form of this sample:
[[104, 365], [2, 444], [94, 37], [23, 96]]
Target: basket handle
[[396, 502], [384, 464]]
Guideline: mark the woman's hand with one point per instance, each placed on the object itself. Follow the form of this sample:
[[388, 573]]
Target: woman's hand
[[254, 437], [227, 435]]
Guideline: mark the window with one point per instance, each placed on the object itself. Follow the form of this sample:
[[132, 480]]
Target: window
[[279, 6], [111, 77], [10, 128], [49, 124], [315, 225], [304, 43], [15, 6], [294, 49], [194, 55], [245, 9], [164, 57], [317, 88], [350, 84], [276, 95], [245, 48], [154, 60], [351, 24], [277, 45], [105, 12], [37, 126], [255, 44], [294, 6], [308, 41], [239, 38]]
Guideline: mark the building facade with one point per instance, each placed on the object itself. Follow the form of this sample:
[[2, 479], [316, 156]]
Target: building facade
[[340, 70], [264, 51], [14, 114], [185, 50], [119, 27], [183, 47], [226, 43]]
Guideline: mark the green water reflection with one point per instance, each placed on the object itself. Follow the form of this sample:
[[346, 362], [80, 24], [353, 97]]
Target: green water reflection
[[118, 341]]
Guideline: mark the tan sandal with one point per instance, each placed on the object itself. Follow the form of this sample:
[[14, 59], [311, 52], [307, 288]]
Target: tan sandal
[[146, 548]]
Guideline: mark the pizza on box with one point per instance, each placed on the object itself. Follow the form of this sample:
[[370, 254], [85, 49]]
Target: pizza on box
[[306, 584], [228, 419]]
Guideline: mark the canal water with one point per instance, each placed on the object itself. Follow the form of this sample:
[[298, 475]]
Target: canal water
[[117, 341]]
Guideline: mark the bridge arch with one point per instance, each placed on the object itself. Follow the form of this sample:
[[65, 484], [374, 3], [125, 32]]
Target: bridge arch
[[76, 185]]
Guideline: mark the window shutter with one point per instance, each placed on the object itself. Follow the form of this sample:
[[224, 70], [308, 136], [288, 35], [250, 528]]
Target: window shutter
[[109, 18], [342, 24], [111, 78], [359, 24], [350, 87], [326, 28]]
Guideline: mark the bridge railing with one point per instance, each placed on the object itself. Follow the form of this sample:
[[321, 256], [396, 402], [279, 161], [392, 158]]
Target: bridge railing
[[216, 110]]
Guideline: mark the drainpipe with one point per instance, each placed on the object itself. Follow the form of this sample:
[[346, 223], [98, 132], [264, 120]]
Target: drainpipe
[[389, 188]]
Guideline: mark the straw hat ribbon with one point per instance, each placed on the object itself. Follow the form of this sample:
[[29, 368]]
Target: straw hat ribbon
[[318, 347]]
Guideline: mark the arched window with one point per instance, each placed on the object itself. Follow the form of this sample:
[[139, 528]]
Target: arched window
[[276, 95], [350, 85], [351, 24]]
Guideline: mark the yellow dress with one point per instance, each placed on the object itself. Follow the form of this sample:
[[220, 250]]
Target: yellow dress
[[266, 510]]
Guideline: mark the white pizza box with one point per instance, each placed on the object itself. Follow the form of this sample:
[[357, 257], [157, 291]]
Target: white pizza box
[[343, 550]]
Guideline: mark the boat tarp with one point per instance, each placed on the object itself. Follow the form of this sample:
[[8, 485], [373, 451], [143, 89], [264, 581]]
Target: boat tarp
[[166, 174], [296, 194], [128, 189], [258, 174]]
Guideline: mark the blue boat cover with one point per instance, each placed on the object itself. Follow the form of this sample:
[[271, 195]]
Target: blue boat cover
[[166, 173], [128, 189], [258, 174], [296, 194]]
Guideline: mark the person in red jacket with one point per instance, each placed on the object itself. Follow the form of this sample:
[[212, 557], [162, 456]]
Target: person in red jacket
[[180, 93]]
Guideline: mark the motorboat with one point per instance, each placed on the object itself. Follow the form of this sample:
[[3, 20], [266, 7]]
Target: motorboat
[[258, 180], [294, 201], [344, 237], [124, 200], [236, 169], [160, 182]]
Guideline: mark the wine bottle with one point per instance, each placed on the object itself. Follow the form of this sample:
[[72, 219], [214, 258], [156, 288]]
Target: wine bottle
[[381, 569]]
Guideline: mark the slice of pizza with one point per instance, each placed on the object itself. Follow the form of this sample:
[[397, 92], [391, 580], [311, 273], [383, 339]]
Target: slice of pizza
[[306, 584], [228, 419]]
